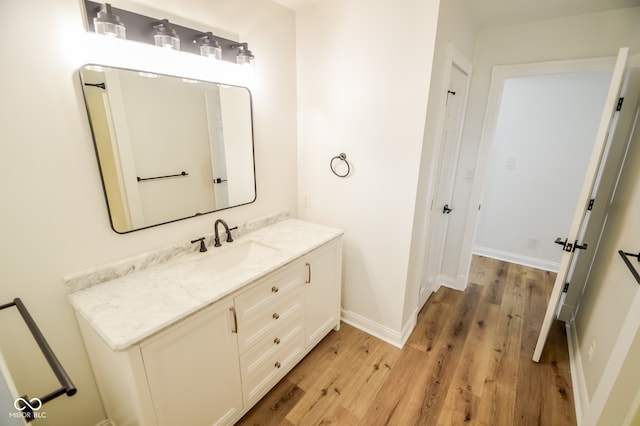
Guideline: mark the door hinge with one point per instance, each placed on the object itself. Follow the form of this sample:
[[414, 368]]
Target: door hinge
[[620, 101], [591, 201], [566, 288]]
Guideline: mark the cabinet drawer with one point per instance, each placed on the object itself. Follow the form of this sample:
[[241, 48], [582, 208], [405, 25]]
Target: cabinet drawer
[[272, 368], [269, 291], [272, 341], [285, 311]]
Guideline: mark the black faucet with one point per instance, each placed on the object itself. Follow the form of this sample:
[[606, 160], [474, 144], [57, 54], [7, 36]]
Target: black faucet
[[217, 235], [203, 247]]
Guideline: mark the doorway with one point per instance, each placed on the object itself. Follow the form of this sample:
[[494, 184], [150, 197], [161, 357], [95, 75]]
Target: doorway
[[438, 269], [471, 208], [542, 143]]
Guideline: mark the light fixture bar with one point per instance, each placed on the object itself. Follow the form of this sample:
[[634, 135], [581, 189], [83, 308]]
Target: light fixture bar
[[140, 28]]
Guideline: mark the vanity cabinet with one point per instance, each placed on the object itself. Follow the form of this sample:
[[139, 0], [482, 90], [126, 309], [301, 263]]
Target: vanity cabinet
[[213, 366], [270, 330], [191, 366], [322, 292], [187, 374]]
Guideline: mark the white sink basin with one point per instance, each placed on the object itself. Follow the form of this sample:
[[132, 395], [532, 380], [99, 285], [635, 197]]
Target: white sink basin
[[236, 255]]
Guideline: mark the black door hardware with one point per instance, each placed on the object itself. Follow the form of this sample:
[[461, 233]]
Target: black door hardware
[[565, 245], [559, 241], [624, 255], [576, 246], [562, 243], [446, 209]]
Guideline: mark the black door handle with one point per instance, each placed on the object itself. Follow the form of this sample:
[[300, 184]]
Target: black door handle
[[566, 246], [446, 209], [559, 241], [579, 247]]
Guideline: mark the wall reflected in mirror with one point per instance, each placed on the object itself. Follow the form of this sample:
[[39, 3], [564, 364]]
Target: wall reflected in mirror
[[168, 148]]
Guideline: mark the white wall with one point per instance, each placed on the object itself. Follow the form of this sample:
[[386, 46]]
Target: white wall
[[542, 143], [626, 391], [54, 220], [455, 29], [363, 80], [574, 37]]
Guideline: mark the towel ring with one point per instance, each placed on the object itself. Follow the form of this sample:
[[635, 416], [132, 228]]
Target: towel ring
[[342, 156]]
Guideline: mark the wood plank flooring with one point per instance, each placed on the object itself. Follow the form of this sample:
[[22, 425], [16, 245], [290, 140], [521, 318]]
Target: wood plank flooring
[[468, 362]]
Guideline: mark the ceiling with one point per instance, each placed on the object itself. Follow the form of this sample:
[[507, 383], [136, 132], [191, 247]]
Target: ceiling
[[496, 13]]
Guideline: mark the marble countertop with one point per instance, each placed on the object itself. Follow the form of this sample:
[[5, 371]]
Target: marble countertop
[[128, 309]]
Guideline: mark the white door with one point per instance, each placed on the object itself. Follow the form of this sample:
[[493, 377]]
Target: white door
[[216, 149], [574, 240], [441, 204], [620, 136]]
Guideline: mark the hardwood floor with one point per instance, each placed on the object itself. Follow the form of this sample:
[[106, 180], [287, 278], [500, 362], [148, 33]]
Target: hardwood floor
[[468, 362]]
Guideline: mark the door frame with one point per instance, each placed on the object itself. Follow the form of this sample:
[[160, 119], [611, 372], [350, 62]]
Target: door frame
[[454, 59], [498, 76]]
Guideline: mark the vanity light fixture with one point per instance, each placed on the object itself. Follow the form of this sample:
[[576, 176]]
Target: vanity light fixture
[[209, 46], [165, 36], [107, 23], [244, 56], [102, 18]]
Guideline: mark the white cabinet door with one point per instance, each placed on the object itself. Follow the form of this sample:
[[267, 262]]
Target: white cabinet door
[[323, 283], [194, 372]]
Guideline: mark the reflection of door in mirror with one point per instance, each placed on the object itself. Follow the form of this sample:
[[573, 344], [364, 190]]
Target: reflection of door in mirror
[[98, 103], [169, 148], [237, 127], [216, 147]]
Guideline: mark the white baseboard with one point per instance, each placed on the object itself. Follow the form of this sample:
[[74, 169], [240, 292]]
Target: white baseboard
[[458, 283], [384, 333], [580, 395], [532, 262]]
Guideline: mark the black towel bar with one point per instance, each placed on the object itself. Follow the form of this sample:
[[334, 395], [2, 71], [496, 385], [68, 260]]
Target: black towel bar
[[67, 386], [625, 257], [181, 174]]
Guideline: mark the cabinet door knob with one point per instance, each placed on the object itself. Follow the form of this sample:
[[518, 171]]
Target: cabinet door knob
[[277, 364], [275, 289], [276, 316], [276, 341]]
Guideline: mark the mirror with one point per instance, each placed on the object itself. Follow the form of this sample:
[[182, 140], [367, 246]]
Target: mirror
[[168, 148]]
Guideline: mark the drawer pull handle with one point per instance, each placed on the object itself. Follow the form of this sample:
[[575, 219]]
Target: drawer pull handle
[[276, 316], [277, 364], [308, 265], [276, 341], [275, 289]]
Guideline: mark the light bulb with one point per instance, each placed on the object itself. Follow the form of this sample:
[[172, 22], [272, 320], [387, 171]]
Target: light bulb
[[107, 23]]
